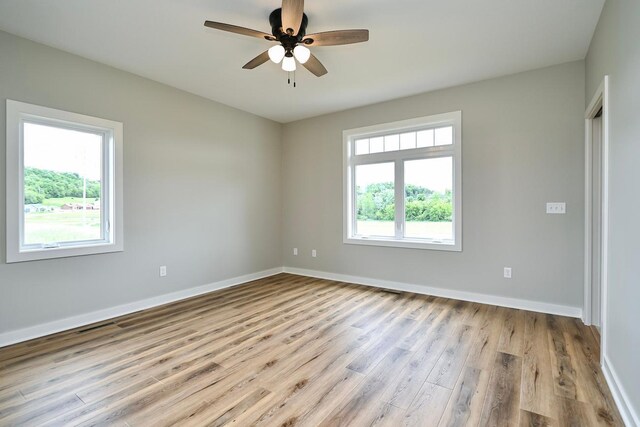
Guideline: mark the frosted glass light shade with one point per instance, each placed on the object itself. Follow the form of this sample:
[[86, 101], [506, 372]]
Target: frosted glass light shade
[[301, 53], [276, 53], [288, 63]]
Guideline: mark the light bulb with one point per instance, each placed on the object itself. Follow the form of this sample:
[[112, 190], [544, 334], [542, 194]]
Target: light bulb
[[276, 53], [288, 63], [301, 53]]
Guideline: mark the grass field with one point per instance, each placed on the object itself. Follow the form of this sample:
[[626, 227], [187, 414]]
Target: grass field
[[61, 226], [424, 229]]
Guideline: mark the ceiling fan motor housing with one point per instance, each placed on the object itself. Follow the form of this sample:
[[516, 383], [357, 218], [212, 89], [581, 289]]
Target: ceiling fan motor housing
[[288, 41]]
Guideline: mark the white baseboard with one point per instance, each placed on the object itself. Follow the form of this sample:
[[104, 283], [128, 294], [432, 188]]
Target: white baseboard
[[627, 412], [20, 335], [542, 307]]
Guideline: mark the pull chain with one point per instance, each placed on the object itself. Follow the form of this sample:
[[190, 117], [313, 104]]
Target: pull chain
[[289, 78]]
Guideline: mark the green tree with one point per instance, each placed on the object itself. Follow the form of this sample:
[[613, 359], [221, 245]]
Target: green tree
[[377, 203], [31, 197], [40, 184]]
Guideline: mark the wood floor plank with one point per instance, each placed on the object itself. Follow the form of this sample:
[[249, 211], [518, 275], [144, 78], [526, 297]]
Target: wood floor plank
[[230, 415], [572, 413], [502, 401], [406, 386], [375, 352], [383, 415], [529, 419], [310, 404], [35, 413], [297, 351], [482, 354], [365, 398], [427, 407], [415, 338], [512, 335], [564, 374], [537, 382], [448, 367], [465, 405]]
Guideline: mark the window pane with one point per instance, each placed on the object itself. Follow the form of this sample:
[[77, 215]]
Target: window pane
[[408, 141], [428, 198], [62, 185], [362, 146], [376, 145], [425, 138], [392, 143], [444, 136], [375, 200]]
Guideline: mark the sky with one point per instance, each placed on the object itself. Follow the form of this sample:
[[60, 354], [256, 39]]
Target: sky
[[434, 174], [62, 150]]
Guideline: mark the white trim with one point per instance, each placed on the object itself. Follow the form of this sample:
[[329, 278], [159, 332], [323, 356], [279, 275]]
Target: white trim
[[629, 416], [542, 307], [112, 239], [600, 99], [350, 161], [20, 335]]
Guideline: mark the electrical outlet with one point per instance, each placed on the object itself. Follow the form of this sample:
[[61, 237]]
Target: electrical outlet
[[556, 208], [314, 253], [507, 272], [295, 251], [163, 270]]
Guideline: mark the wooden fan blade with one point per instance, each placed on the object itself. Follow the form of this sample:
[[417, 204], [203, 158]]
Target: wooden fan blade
[[258, 60], [239, 30], [333, 38], [315, 66], [292, 11]]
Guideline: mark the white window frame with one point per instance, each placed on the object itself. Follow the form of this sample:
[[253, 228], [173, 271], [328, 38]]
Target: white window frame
[[111, 185], [350, 161]]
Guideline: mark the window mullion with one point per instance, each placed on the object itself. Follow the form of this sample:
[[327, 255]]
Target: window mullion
[[399, 198]]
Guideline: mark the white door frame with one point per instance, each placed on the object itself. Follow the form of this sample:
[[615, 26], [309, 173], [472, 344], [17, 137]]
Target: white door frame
[[600, 100]]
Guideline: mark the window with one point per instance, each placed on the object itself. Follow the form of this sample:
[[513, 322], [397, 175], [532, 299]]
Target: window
[[64, 183], [402, 183]]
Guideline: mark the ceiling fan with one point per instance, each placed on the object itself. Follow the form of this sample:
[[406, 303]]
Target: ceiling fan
[[288, 29]]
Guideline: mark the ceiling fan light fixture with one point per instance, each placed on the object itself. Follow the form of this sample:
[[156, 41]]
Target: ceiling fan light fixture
[[289, 63], [276, 53], [289, 32], [301, 53]]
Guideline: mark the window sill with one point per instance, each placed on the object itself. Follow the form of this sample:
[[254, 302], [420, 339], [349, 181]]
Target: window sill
[[404, 243], [62, 252]]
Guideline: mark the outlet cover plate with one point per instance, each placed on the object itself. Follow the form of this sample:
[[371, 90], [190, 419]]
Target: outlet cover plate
[[556, 208]]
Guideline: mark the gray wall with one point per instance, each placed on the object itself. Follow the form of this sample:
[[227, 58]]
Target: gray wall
[[202, 189], [615, 50], [522, 146]]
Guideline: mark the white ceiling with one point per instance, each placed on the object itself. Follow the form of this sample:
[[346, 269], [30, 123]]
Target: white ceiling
[[415, 45]]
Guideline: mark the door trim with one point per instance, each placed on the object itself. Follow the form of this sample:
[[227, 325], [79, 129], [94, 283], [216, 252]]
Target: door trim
[[600, 100]]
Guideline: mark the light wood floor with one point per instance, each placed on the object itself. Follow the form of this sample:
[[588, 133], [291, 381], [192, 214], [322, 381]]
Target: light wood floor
[[291, 350]]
